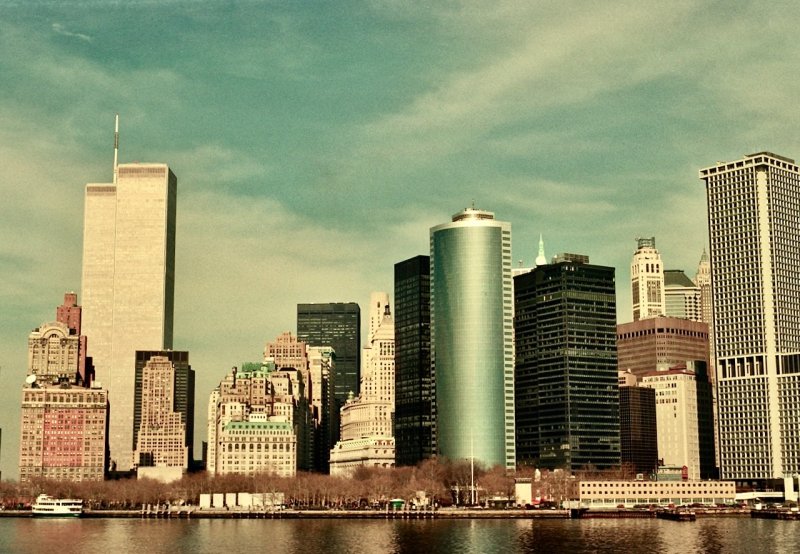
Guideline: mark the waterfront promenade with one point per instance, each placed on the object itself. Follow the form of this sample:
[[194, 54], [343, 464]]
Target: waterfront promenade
[[194, 512]]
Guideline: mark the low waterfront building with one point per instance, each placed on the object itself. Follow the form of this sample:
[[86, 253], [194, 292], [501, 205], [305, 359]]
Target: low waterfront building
[[258, 445], [612, 494], [349, 455]]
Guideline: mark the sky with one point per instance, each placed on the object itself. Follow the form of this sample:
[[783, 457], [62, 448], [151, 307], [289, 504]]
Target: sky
[[316, 142]]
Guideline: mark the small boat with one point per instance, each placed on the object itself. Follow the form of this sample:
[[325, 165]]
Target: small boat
[[47, 506]]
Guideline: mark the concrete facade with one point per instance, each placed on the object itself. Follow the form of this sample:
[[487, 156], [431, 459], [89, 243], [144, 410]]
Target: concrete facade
[[63, 421], [754, 235], [371, 415], [257, 445], [63, 433], [647, 281], [347, 456], [162, 438], [610, 494], [645, 344]]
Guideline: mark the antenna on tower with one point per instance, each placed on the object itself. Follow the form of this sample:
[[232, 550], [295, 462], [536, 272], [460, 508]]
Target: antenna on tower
[[116, 145]]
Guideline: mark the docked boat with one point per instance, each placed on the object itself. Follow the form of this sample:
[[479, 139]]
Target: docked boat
[[47, 506]]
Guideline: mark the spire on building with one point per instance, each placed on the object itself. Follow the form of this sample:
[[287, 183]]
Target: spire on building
[[541, 259]]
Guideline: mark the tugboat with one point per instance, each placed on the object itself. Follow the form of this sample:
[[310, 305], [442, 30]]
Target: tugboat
[[47, 506]]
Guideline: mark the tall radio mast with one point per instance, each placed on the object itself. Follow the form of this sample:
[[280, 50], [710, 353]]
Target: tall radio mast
[[116, 145]]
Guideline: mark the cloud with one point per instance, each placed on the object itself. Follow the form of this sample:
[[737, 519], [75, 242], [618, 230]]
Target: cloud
[[58, 28]]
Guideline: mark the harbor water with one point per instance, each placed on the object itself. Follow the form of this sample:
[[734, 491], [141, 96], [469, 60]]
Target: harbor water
[[312, 536]]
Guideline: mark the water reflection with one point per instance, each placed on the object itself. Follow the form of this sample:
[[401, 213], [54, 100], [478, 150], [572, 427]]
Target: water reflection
[[87, 536]]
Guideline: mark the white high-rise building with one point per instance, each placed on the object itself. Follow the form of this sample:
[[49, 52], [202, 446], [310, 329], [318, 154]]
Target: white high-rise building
[[366, 421], [676, 418], [647, 281], [754, 232], [128, 283]]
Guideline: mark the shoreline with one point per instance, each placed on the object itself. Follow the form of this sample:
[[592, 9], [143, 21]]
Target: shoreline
[[192, 512]]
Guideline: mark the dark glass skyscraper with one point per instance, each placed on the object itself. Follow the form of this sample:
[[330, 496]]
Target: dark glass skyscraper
[[338, 325], [637, 421], [413, 418], [567, 397]]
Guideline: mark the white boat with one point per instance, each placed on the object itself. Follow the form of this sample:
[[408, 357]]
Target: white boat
[[47, 506]]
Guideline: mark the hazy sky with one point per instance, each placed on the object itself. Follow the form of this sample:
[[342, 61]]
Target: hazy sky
[[315, 143]]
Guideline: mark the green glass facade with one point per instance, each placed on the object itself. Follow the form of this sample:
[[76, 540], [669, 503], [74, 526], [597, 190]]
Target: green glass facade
[[472, 347]]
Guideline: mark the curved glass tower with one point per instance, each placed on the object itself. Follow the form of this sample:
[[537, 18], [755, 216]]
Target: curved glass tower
[[472, 347]]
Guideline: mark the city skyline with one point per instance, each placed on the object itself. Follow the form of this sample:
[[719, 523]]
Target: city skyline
[[321, 144]]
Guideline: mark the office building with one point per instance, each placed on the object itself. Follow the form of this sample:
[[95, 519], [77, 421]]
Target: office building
[[371, 414], [637, 425], [163, 443], [128, 283], [323, 404], [647, 280], [257, 445], [681, 296], [567, 396], [292, 381], [63, 432], [684, 418], [337, 325], [645, 344], [348, 455], [472, 338], [611, 494], [256, 419], [414, 391], [163, 408], [754, 234], [63, 421], [703, 281]]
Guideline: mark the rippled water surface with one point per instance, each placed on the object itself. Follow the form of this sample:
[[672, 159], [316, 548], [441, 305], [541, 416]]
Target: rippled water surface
[[118, 536]]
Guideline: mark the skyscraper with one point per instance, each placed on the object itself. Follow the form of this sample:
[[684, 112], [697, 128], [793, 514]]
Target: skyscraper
[[166, 365], [647, 280], [289, 356], [165, 410], [472, 338], [414, 392], [128, 283], [371, 414], [754, 232], [637, 425], [337, 325], [567, 396]]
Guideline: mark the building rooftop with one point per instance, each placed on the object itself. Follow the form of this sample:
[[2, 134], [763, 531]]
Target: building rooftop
[[676, 278]]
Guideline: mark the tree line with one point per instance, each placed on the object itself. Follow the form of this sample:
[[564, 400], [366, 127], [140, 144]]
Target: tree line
[[443, 482]]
